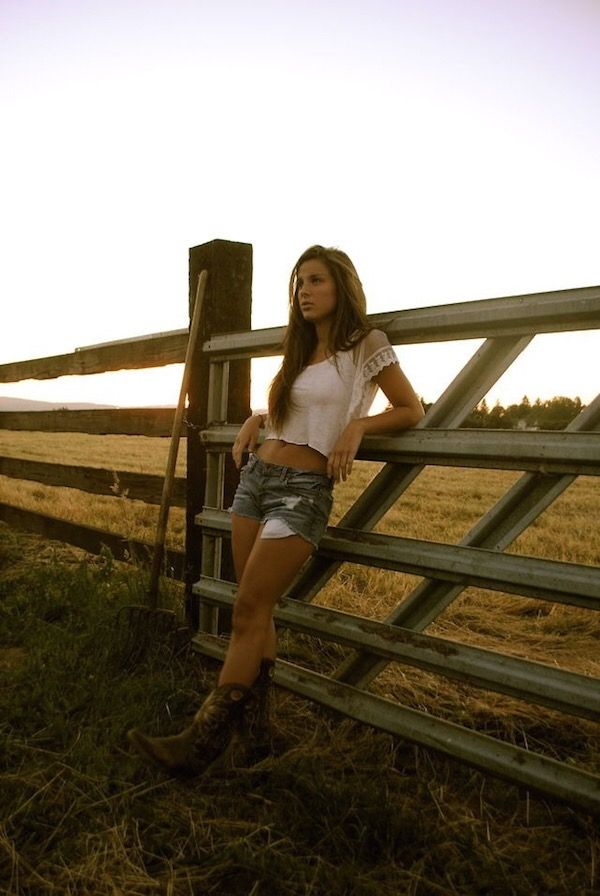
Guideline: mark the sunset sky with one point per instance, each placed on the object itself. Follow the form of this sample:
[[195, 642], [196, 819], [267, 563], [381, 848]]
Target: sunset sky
[[451, 147]]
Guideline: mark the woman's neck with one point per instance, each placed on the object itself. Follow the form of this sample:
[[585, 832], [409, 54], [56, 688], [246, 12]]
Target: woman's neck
[[323, 330]]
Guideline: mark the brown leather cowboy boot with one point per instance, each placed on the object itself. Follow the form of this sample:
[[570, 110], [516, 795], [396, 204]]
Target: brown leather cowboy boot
[[257, 721], [202, 742]]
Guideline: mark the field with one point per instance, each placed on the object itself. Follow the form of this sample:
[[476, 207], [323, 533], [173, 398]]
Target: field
[[345, 810]]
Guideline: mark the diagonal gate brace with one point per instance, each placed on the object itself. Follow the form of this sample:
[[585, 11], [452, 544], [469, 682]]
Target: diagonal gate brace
[[512, 514]]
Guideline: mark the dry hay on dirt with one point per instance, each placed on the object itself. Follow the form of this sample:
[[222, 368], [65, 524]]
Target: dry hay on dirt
[[340, 809]]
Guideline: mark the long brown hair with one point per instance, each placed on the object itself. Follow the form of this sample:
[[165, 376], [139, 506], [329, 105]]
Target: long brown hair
[[348, 327]]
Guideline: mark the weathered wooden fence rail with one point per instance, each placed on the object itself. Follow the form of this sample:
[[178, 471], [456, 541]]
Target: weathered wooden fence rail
[[227, 301], [127, 354], [550, 462], [112, 422]]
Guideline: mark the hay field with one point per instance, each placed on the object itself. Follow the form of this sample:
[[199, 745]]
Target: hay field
[[442, 504], [344, 811]]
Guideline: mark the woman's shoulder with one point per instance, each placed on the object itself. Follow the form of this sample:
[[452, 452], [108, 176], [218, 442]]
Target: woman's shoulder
[[364, 346], [372, 341], [375, 352]]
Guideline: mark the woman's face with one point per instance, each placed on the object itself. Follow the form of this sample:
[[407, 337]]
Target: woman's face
[[316, 291]]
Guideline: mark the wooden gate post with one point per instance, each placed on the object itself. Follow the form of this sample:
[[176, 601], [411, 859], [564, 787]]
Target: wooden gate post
[[227, 308]]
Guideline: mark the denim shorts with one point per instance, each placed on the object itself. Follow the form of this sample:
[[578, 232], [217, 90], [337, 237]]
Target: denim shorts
[[299, 499]]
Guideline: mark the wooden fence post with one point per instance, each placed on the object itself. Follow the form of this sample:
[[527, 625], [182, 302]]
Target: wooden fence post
[[227, 308]]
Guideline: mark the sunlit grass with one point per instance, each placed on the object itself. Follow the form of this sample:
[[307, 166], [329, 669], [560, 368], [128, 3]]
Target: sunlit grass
[[442, 504]]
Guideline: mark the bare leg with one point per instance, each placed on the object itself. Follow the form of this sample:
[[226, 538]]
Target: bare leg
[[264, 568], [270, 568], [244, 533]]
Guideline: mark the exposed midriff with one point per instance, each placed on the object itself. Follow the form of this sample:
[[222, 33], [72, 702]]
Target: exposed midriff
[[287, 454]]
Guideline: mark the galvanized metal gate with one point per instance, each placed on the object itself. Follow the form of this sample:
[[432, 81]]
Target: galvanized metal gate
[[550, 463]]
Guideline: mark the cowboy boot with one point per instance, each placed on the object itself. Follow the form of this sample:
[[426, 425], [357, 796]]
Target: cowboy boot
[[257, 721], [202, 742]]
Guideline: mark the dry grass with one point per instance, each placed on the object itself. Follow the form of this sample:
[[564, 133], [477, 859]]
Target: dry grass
[[339, 809], [139, 454], [345, 810], [442, 504]]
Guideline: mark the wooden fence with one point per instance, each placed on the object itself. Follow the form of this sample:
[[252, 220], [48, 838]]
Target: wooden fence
[[227, 304], [550, 462]]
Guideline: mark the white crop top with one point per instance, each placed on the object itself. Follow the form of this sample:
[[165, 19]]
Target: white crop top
[[327, 395]]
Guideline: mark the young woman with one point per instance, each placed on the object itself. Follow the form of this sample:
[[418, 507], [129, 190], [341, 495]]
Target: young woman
[[333, 363]]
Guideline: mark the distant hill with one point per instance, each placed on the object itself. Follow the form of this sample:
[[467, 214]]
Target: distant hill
[[25, 404]]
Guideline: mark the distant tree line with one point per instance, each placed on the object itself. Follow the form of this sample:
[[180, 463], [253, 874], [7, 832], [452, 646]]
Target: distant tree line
[[553, 414]]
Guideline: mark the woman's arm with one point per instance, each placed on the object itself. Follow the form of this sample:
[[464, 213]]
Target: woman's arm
[[406, 411], [247, 437]]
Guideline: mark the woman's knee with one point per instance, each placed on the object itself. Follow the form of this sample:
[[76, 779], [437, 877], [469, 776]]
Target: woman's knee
[[248, 613]]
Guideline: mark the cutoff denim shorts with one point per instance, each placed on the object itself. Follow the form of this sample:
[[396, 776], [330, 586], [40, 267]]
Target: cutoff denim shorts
[[299, 499]]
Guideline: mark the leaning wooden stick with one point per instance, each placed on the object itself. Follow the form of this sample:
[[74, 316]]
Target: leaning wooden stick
[[165, 503]]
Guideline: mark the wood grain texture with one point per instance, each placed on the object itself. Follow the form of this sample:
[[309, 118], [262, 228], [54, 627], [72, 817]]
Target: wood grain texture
[[115, 421]]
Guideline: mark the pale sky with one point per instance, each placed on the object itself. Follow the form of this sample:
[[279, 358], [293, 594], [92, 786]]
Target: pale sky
[[451, 147]]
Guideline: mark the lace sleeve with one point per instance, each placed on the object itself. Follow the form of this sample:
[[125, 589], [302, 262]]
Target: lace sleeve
[[375, 353], [375, 364]]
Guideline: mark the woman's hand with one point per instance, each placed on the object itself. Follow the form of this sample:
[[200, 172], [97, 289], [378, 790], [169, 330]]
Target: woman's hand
[[339, 462], [247, 438]]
